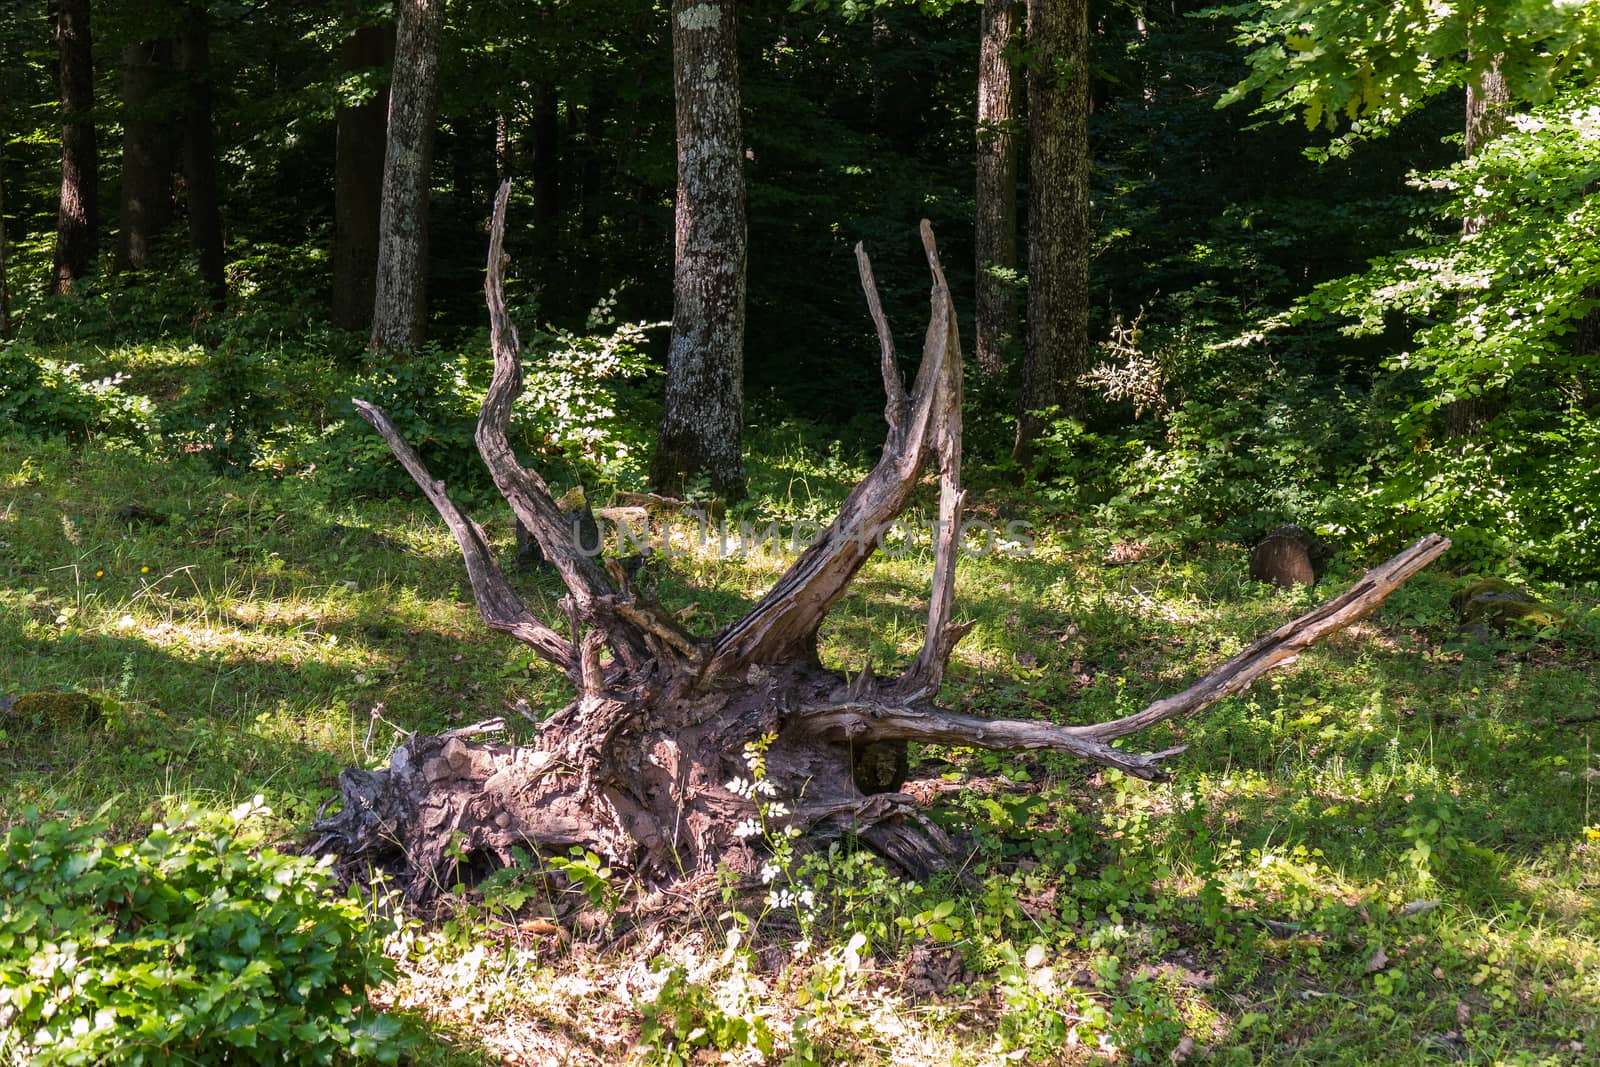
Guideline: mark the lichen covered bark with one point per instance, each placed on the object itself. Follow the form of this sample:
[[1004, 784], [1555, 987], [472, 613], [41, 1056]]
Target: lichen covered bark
[[702, 425], [995, 223], [400, 307]]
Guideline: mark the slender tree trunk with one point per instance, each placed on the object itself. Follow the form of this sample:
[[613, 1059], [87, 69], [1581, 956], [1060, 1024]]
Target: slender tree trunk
[[1488, 109], [996, 222], [400, 310], [78, 221], [147, 151], [546, 156], [5, 290], [702, 427], [1059, 237], [358, 182], [1488, 112], [200, 154]]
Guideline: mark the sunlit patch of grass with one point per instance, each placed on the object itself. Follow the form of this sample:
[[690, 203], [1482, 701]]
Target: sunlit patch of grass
[[260, 637]]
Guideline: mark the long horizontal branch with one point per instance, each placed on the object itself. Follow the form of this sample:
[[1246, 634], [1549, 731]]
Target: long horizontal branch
[[502, 609], [1283, 645], [868, 720]]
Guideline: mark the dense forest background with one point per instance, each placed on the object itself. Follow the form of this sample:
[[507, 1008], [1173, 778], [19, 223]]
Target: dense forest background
[[274, 785], [1228, 402]]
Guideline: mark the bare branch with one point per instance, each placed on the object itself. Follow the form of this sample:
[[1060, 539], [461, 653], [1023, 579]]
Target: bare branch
[[924, 676], [498, 603], [1283, 645], [868, 720], [784, 623], [894, 390], [530, 498]]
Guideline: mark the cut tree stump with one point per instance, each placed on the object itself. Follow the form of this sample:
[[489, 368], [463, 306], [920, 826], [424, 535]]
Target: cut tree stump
[[638, 766]]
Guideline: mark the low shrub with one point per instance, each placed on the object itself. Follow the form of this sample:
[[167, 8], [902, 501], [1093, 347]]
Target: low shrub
[[194, 945]]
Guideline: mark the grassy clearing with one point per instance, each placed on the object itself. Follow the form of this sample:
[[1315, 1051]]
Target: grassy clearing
[[1388, 853]]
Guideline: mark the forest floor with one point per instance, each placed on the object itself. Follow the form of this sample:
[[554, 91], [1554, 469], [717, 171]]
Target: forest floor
[[1386, 853]]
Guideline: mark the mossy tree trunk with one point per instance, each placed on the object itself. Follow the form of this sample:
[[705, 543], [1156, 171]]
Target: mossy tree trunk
[[200, 153], [358, 179], [400, 307], [1060, 240], [996, 218], [147, 151]]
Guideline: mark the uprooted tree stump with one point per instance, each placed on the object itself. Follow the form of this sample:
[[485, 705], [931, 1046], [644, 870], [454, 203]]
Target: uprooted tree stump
[[637, 766]]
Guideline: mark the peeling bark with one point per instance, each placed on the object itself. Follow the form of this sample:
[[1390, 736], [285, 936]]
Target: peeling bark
[[637, 766]]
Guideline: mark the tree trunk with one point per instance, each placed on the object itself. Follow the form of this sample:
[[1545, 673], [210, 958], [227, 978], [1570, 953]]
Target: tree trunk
[[400, 310], [147, 151], [702, 426], [644, 766], [358, 181], [546, 157], [5, 289], [996, 222], [78, 221], [1059, 237], [200, 155], [1488, 112]]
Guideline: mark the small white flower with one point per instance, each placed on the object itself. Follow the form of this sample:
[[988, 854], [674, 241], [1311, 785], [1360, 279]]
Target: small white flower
[[768, 873], [748, 828], [740, 786], [808, 899], [766, 788], [777, 809]]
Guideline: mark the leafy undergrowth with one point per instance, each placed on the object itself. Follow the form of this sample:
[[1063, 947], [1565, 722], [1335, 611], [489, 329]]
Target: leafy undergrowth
[[1387, 853]]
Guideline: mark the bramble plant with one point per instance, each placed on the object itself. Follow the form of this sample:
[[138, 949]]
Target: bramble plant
[[195, 945]]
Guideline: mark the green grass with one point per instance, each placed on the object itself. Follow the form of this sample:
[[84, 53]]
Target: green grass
[[268, 633]]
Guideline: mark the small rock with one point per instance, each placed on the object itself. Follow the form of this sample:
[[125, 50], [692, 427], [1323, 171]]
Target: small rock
[[136, 514], [53, 709], [1497, 603]]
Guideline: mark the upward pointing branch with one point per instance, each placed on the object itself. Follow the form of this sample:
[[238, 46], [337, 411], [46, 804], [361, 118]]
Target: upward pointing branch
[[785, 622]]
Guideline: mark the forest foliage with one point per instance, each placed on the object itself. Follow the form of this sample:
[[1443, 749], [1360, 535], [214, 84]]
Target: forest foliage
[[1298, 284]]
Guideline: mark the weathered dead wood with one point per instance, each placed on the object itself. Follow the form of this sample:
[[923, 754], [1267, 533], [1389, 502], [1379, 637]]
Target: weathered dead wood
[[638, 765], [924, 676], [502, 609], [868, 720], [784, 623]]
